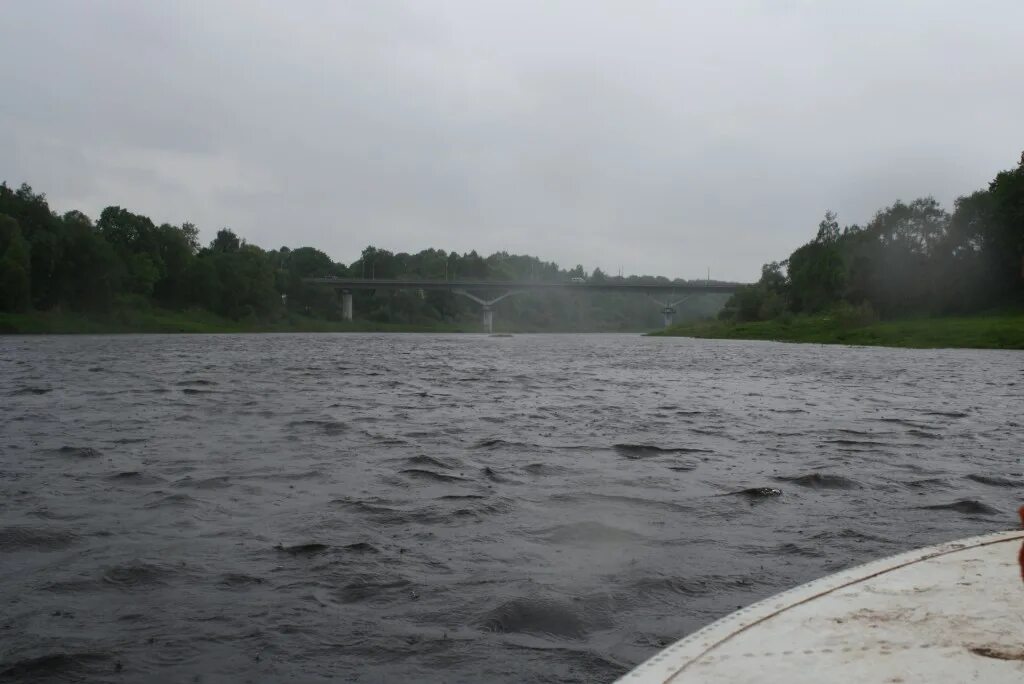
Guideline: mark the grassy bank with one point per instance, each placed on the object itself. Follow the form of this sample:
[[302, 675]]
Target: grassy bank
[[155, 320], [145, 319], [999, 331]]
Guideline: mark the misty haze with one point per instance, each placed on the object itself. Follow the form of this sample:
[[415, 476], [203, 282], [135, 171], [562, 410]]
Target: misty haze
[[462, 341]]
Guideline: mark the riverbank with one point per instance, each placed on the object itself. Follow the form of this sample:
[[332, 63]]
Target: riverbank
[[128, 320], [155, 320], [997, 331]]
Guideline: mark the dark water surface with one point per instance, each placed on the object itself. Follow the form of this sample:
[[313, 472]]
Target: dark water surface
[[460, 508]]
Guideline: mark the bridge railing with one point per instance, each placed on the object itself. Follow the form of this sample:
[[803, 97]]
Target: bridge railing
[[416, 284]]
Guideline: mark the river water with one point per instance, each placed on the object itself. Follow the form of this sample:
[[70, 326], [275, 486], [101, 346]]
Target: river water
[[460, 508]]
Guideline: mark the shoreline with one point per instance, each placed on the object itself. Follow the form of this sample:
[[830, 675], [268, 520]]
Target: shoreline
[[198, 322], [993, 331]]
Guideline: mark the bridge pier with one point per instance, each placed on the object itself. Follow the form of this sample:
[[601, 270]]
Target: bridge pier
[[344, 287], [346, 304], [486, 306], [668, 309]]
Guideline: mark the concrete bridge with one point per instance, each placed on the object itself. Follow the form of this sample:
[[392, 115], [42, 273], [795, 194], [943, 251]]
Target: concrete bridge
[[667, 295]]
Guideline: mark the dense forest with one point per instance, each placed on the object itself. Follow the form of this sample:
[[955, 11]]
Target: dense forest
[[123, 260], [909, 260]]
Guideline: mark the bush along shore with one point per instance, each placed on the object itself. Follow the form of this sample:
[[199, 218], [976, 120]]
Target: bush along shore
[[991, 331], [125, 273], [157, 320], [137, 316], [914, 276]]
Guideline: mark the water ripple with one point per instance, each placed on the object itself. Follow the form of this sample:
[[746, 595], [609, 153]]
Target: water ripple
[[324, 508]]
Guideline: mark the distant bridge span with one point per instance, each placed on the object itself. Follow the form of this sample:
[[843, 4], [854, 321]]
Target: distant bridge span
[[666, 291]]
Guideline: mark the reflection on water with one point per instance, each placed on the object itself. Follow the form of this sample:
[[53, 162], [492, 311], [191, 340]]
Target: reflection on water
[[460, 508]]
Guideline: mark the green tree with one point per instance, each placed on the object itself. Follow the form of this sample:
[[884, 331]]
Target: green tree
[[1006, 234], [828, 229], [176, 248], [92, 271], [816, 276], [226, 242], [15, 265]]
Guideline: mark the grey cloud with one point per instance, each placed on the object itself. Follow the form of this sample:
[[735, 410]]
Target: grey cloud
[[660, 136]]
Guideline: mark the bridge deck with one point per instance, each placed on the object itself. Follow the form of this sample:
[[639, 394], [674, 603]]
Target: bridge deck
[[449, 285]]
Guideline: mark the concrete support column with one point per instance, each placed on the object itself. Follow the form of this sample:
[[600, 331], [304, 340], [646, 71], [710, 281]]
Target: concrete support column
[[346, 305], [667, 313], [488, 319]]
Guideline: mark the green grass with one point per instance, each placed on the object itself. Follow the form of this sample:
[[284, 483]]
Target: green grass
[[134, 315], [998, 331], [156, 320]]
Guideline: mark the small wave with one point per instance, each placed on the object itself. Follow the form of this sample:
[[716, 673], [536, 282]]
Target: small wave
[[927, 483], [22, 538], [848, 535], [965, 506], [173, 500], [23, 391], [757, 492], [423, 460], [218, 482], [791, 549], [543, 469], [535, 616], [822, 481], [946, 414], [78, 452], [587, 532], [638, 451], [925, 434], [192, 391], [422, 434], [702, 585], [290, 477], [484, 508], [309, 549], [197, 382], [629, 501], [492, 475], [326, 427], [364, 506], [138, 575], [993, 481], [856, 442], [421, 474], [361, 547], [661, 585], [134, 477], [366, 588], [52, 665], [238, 579], [904, 422], [495, 443], [384, 440]]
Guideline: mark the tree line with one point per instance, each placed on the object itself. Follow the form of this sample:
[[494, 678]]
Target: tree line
[[56, 262], [910, 259]]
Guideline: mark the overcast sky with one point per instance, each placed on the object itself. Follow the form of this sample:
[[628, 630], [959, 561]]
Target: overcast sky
[[659, 137]]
